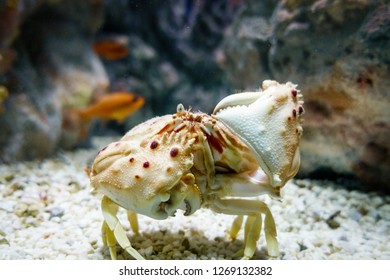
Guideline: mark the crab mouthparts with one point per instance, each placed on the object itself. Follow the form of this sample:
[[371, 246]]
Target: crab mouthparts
[[169, 208]]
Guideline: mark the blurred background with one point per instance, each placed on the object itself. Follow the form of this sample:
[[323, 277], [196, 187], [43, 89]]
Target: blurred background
[[70, 70]]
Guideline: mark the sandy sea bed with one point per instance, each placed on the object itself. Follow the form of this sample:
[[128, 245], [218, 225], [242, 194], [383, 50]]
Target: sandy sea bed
[[47, 211]]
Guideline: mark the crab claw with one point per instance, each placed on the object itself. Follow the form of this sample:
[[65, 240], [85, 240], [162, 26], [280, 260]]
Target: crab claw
[[269, 123], [185, 196]]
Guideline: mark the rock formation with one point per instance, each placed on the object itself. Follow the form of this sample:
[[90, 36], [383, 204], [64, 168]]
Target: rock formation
[[48, 67]]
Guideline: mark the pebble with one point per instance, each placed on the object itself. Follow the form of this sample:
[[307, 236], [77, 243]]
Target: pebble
[[384, 212], [4, 240], [148, 251], [20, 209], [167, 248], [56, 212]]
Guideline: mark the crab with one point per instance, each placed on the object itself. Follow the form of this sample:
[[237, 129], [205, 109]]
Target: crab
[[248, 147]]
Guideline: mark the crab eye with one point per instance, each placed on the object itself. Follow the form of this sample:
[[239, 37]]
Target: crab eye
[[180, 108]]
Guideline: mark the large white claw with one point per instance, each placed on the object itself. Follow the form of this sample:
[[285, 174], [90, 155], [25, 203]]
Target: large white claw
[[269, 122]]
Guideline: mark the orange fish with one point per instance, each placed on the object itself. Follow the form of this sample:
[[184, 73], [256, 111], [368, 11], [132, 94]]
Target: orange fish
[[115, 106], [111, 49], [3, 96]]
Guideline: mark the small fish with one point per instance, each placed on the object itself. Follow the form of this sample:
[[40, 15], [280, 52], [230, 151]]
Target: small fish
[[114, 106], [3, 96], [112, 48]]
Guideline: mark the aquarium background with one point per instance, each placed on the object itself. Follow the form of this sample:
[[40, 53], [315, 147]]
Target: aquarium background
[[57, 58]]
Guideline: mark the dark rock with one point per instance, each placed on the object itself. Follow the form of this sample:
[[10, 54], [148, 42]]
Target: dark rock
[[332, 222], [246, 46], [183, 41]]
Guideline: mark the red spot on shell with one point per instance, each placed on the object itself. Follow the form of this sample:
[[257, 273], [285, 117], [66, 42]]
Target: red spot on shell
[[146, 164], [136, 177], [300, 110], [131, 159], [154, 144], [294, 92], [294, 112], [103, 149], [174, 152]]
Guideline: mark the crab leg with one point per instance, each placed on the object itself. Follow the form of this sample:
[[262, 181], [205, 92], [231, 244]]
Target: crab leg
[[252, 235], [114, 230], [109, 240], [253, 209], [133, 220], [236, 226]]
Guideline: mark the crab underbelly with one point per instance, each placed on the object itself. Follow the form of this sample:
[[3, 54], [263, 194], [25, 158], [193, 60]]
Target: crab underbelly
[[237, 172]]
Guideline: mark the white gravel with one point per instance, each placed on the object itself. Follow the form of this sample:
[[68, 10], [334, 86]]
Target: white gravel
[[48, 212]]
